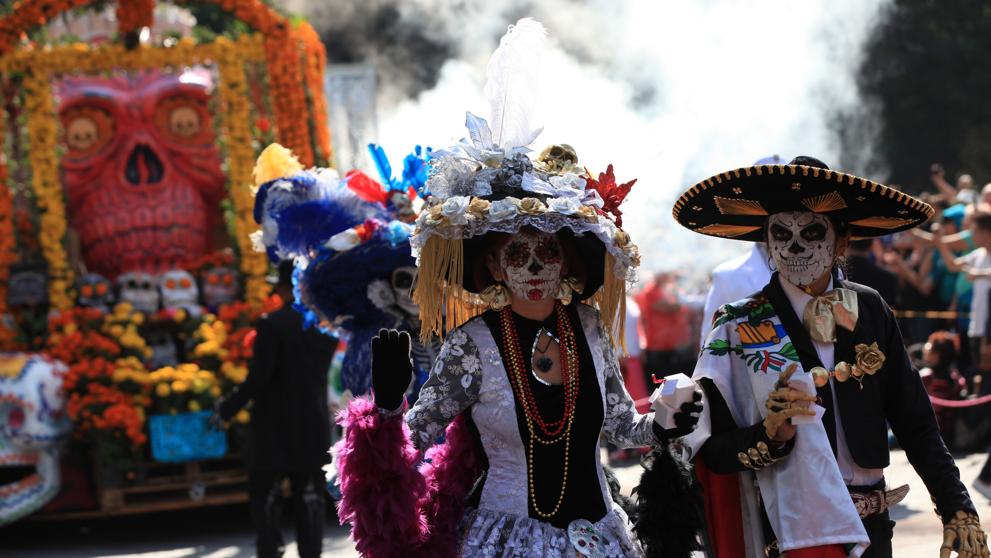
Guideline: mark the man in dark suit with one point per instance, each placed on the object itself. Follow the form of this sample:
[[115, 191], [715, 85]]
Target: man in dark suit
[[290, 423], [803, 378]]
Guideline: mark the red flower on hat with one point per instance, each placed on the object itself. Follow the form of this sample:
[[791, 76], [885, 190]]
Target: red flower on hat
[[612, 194]]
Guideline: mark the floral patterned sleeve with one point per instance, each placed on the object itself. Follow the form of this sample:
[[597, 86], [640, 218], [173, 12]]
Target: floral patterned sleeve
[[623, 425], [452, 387]]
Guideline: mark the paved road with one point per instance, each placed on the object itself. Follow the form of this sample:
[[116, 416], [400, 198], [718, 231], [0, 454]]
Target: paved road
[[225, 532]]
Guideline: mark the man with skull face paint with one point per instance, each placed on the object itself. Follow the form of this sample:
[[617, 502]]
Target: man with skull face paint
[[802, 379]]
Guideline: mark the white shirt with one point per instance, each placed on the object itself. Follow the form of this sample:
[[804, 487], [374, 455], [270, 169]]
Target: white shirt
[[735, 280], [979, 259], [852, 473], [632, 336]]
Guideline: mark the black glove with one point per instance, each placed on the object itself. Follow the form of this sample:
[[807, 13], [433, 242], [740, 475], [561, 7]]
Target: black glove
[[684, 420], [392, 369]]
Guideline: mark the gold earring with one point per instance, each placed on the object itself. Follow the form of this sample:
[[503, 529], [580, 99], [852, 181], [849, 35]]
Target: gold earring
[[495, 296], [568, 287]]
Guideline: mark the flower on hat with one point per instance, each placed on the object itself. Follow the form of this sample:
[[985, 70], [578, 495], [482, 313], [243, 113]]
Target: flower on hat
[[454, 209], [503, 209]]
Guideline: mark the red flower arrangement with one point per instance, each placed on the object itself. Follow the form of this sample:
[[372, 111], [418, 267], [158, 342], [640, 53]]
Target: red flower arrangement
[[612, 194]]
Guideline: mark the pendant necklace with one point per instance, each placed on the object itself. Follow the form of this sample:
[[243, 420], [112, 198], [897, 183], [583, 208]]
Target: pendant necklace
[[543, 363]]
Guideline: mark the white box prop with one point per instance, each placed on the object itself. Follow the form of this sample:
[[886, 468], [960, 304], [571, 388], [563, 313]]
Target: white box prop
[[668, 398]]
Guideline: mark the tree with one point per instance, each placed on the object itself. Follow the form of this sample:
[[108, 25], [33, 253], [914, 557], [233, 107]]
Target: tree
[[926, 70]]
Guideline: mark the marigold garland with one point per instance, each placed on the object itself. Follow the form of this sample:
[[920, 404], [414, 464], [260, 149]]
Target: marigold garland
[[42, 133], [315, 62]]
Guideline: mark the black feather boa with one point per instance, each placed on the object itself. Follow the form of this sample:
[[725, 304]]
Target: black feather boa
[[669, 518]]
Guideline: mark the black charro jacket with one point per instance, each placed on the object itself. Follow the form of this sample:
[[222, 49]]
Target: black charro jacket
[[893, 396]]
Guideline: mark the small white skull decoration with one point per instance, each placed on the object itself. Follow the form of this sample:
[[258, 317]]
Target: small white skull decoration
[[32, 426], [179, 291], [140, 289], [219, 286]]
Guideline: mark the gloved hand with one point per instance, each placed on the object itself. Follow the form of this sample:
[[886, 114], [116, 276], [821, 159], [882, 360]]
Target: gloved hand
[[392, 368], [963, 534], [784, 402], [684, 420]]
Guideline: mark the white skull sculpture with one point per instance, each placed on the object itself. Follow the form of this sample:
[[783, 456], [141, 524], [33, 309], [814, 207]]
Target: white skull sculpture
[[140, 289], [179, 290], [32, 425]]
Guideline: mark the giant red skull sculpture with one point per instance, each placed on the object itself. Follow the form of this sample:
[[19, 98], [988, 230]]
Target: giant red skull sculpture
[[141, 169]]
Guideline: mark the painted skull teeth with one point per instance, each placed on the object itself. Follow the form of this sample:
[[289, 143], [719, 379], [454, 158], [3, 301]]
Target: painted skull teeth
[[802, 245], [532, 264], [32, 426]]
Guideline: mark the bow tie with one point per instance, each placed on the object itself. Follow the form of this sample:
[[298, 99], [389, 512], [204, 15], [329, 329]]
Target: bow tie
[[823, 313]]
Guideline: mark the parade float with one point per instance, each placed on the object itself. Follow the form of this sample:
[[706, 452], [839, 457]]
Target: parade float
[[128, 282]]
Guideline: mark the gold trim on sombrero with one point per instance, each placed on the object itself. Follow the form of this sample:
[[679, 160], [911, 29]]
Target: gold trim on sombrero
[[729, 231], [824, 203], [883, 222], [730, 206]]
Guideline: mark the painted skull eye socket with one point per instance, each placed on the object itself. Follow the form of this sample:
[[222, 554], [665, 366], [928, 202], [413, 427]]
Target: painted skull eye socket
[[87, 290], [101, 289], [780, 233], [185, 283], [516, 254], [170, 284], [402, 279], [132, 284], [548, 251], [814, 232], [184, 121], [228, 280], [86, 130], [146, 286], [213, 279]]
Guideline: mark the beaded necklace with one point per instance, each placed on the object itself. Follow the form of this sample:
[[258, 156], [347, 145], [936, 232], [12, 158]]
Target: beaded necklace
[[542, 431]]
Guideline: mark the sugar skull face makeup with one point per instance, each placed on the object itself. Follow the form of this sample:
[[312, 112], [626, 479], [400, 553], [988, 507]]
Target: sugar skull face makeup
[[802, 244], [532, 263], [402, 284]]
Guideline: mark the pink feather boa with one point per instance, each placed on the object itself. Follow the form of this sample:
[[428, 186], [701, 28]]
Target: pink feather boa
[[395, 509]]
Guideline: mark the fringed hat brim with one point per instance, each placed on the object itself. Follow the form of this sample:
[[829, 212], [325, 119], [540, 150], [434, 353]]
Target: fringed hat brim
[[736, 204]]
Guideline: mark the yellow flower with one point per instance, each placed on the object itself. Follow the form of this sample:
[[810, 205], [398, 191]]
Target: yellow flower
[[194, 406], [180, 315], [162, 390], [870, 359], [116, 330], [70, 329], [138, 319], [242, 416], [215, 391], [179, 386]]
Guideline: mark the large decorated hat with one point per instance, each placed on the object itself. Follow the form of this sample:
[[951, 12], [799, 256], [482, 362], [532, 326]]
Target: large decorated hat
[[343, 234], [737, 203], [488, 183]]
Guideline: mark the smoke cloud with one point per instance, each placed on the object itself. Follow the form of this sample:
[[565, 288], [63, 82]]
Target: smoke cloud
[[669, 92]]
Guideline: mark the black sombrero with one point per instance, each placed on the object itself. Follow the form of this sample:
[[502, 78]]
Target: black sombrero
[[737, 203]]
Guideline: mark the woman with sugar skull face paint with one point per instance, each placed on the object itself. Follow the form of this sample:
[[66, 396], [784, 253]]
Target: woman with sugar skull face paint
[[802, 379], [522, 267]]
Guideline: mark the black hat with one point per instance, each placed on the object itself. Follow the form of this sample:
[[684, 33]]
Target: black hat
[[737, 203]]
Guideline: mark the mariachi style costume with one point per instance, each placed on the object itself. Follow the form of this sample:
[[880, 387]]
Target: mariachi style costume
[[350, 239], [519, 471], [825, 486]]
